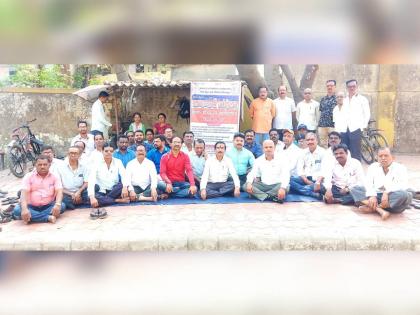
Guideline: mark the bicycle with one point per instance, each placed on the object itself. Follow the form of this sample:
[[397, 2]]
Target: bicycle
[[23, 149], [372, 140]]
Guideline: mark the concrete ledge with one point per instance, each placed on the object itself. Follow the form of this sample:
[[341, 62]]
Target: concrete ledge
[[233, 227]]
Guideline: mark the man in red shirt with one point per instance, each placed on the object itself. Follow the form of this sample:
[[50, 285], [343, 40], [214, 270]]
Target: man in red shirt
[[173, 167]]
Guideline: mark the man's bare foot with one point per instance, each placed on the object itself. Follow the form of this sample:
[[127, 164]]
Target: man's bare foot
[[141, 197], [122, 200], [365, 209], [384, 214], [52, 219]]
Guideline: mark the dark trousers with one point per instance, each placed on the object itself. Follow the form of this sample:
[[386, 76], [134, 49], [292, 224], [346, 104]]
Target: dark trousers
[[38, 213], [353, 140], [108, 198], [298, 186], [146, 192], [346, 199], [219, 189], [242, 180], [68, 201]]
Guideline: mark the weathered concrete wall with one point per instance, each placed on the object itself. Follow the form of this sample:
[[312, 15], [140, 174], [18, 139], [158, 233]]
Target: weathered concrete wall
[[56, 115]]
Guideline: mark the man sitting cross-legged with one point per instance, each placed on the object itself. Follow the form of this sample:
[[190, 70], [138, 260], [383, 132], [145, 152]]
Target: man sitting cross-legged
[[41, 195], [142, 177], [273, 174], [198, 159], [309, 169], [242, 158], [74, 177], [343, 176], [387, 188], [214, 182], [173, 167], [107, 182]]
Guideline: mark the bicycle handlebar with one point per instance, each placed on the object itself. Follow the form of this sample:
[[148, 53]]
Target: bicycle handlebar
[[25, 125]]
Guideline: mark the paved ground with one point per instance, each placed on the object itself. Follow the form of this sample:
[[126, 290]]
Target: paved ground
[[265, 226]]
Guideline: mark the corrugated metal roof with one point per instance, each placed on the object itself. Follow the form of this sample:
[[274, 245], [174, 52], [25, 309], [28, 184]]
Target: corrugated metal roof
[[149, 84]]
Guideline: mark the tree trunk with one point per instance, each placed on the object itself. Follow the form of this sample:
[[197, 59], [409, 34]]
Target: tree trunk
[[121, 72], [306, 81], [308, 76], [250, 74], [273, 77], [297, 93]]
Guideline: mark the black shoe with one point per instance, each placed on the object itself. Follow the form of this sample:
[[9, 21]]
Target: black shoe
[[275, 199]]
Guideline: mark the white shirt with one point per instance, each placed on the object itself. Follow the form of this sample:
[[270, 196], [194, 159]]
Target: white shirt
[[99, 121], [357, 112], [55, 166], [284, 110], [185, 149], [197, 163], [329, 159], [308, 114], [89, 142], [310, 163], [95, 157], [340, 118], [106, 177], [73, 179], [216, 171], [271, 172], [293, 153], [279, 147], [349, 175], [141, 174], [378, 182]]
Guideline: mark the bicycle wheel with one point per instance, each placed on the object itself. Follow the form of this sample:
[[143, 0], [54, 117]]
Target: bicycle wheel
[[378, 141], [366, 151], [17, 161]]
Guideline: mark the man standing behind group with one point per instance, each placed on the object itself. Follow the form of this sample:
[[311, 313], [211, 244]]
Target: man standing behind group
[[262, 111], [139, 139], [326, 107], [307, 111], [214, 182], [97, 154], [85, 137], [99, 122], [285, 112], [173, 168], [357, 112], [273, 174]]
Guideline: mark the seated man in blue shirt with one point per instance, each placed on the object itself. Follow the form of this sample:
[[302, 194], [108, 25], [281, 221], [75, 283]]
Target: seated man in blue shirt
[[251, 145], [160, 149], [139, 139], [122, 153], [242, 159]]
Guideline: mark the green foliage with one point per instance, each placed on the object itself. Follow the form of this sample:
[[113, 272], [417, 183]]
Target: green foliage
[[40, 76]]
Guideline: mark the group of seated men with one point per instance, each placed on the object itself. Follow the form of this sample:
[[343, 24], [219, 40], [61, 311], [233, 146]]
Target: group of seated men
[[150, 169]]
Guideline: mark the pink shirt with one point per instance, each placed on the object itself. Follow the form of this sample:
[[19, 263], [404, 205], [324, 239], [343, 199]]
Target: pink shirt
[[41, 190]]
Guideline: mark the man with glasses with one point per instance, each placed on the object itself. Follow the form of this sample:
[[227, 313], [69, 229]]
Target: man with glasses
[[215, 181], [307, 111], [357, 113], [74, 177], [326, 107]]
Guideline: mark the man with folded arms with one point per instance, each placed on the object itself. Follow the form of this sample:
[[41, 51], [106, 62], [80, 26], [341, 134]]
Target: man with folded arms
[[107, 182], [214, 182], [41, 195], [74, 177], [273, 175], [309, 169], [142, 177], [344, 175], [386, 189], [173, 167]]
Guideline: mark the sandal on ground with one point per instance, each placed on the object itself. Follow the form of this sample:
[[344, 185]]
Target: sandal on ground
[[98, 213]]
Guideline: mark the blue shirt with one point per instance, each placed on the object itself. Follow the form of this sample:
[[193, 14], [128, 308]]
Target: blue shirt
[[147, 145], [242, 160], [197, 164], [154, 155], [125, 158], [255, 148]]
